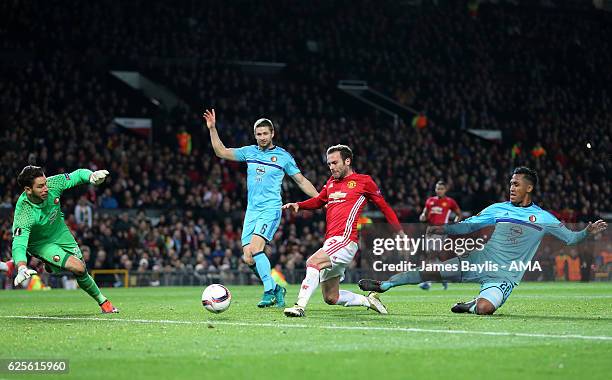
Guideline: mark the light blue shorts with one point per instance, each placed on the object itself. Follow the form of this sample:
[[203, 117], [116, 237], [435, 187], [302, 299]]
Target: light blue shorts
[[260, 222], [496, 292]]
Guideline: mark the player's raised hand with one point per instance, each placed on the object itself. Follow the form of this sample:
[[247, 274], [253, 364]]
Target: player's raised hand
[[209, 116], [23, 273], [596, 227], [293, 206], [98, 177]]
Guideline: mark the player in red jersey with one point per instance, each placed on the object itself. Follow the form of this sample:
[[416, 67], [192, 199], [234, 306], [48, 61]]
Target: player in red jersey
[[345, 195], [437, 209], [436, 212]]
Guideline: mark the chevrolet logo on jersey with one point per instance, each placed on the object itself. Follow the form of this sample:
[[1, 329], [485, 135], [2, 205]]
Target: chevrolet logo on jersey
[[337, 195]]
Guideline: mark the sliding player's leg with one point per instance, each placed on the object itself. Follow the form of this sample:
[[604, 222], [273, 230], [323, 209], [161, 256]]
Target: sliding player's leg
[[450, 273], [491, 297]]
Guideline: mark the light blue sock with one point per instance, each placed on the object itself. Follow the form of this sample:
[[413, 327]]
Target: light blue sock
[[410, 277], [264, 270]]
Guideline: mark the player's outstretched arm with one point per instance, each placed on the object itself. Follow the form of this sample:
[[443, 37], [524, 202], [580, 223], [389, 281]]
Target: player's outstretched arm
[[98, 177], [23, 273], [484, 218], [570, 237], [305, 185], [22, 224], [220, 150], [313, 203], [596, 227], [374, 195], [293, 206], [78, 177]]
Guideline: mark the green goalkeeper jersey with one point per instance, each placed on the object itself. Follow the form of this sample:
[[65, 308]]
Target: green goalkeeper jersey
[[35, 224]]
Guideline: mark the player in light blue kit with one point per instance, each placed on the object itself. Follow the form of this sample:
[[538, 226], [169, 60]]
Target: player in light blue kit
[[520, 226], [267, 165]]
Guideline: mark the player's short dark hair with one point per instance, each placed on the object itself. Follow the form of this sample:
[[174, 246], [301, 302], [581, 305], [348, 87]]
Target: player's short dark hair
[[345, 151], [441, 183], [529, 174], [28, 174]]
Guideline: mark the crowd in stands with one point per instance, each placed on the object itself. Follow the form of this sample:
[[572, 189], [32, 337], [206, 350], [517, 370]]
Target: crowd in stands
[[535, 74]]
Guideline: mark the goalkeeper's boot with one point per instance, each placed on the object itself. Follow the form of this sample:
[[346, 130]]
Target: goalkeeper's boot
[[375, 303], [108, 308], [295, 311], [279, 293], [371, 286], [463, 307], [268, 299], [445, 285]]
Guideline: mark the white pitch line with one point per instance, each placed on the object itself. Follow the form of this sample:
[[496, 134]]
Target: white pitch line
[[302, 326]]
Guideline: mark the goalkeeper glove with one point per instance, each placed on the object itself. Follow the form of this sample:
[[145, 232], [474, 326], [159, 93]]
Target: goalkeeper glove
[[23, 273], [98, 176]]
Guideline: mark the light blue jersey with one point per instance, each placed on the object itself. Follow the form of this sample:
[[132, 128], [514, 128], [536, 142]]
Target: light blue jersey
[[265, 172], [516, 238]]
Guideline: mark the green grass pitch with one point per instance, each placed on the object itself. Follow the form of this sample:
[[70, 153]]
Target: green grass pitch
[[545, 330]]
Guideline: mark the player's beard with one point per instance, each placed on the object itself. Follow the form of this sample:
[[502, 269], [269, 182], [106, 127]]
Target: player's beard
[[341, 173], [267, 146]]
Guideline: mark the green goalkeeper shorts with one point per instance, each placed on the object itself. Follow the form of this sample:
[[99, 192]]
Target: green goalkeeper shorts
[[56, 254]]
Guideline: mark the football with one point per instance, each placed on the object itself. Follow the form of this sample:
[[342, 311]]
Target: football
[[216, 298]]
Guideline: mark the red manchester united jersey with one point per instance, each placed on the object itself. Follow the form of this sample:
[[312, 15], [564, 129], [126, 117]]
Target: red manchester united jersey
[[345, 199], [438, 209]]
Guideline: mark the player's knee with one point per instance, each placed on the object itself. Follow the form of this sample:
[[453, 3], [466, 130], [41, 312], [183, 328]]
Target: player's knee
[[484, 307], [330, 299], [247, 256], [78, 269]]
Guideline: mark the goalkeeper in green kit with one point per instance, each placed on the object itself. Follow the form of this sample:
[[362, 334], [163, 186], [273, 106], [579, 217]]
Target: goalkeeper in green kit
[[39, 228]]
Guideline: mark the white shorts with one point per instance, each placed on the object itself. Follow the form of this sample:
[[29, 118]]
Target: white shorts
[[341, 252]]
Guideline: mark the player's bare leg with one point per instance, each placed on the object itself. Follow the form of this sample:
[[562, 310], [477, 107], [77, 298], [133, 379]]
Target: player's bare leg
[[86, 282], [333, 295], [314, 265]]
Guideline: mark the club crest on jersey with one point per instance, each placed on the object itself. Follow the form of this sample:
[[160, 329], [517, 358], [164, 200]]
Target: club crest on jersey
[[56, 200], [56, 258], [532, 218], [444, 204], [273, 159], [17, 232], [351, 184]]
